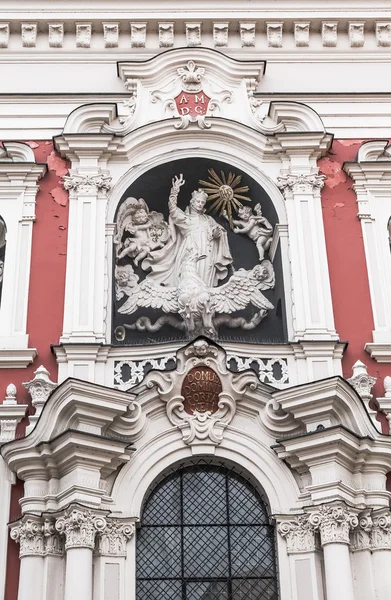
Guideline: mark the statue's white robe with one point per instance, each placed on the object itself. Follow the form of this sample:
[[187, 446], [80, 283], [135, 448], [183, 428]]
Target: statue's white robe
[[190, 231]]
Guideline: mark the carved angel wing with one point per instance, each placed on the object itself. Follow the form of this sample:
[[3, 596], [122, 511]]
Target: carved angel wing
[[239, 291], [154, 296]]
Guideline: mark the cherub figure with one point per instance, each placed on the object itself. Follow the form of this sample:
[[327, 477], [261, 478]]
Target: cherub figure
[[256, 226], [147, 231]]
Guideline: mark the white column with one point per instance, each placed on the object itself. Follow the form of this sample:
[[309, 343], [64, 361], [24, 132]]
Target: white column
[[109, 566], [79, 525], [84, 290], [29, 533], [313, 313], [363, 577], [54, 563], [334, 523], [304, 560], [381, 553]]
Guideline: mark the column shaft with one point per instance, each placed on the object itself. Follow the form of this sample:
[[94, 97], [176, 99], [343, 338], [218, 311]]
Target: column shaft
[[30, 578], [339, 580], [78, 578], [382, 573]]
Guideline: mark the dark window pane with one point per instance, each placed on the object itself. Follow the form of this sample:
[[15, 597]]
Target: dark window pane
[[244, 505], [210, 590], [252, 551], [159, 590], [254, 589], [205, 551], [159, 552], [204, 498], [164, 506]]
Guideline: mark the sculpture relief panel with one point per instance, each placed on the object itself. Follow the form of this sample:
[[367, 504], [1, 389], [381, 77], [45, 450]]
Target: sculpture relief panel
[[191, 257]]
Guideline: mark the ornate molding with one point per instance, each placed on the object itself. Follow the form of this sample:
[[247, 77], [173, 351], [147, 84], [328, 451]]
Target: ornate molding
[[113, 539], [334, 523], [299, 534], [39, 389], [80, 526], [87, 185], [381, 530], [54, 543], [361, 535], [292, 183], [201, 395], [28, 533]]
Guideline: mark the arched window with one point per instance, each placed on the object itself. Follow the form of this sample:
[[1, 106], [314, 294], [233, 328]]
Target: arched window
[[205, 535]]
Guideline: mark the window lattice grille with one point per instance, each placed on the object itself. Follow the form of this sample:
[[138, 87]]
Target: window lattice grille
[[205, 535]]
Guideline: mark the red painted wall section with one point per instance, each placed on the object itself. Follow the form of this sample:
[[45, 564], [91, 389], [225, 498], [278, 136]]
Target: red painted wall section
[[45, 305], [347, 264]]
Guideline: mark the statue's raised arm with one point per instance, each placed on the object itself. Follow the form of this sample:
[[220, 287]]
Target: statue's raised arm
[[177, 183]]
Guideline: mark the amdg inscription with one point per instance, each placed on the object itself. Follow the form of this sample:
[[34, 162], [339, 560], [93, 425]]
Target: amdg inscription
[[201, 389]]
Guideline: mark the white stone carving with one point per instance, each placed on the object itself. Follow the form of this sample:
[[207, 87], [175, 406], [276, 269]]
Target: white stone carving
[[29, 34], [8, 429], [274, 34], [252, 223], [110, 34], [112, 540], [137, 369], [363, 383], [329, 34], [138, 35], [166, 35], [356, 34], [193, 34], [10, 395], [4, 35], [206, 427], [56, 35], [334, 523], [220, 35], [247, 35], [28, 533], [292, 183], [264, 367], [39, 389], [53, 541], [87, 185], [381, 531], [361, 535], [83, 35], [302, 34], [80, 526], [383, 34], [184, 276], [299, 534]]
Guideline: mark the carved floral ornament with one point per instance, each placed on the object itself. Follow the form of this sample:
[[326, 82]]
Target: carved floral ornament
[[337, 524], [292, 183], [87, 184], [76, 528]]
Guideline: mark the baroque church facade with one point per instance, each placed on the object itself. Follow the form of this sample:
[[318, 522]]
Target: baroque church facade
[[195, 325]]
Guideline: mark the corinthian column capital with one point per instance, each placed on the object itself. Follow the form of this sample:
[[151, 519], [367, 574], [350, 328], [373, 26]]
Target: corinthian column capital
[[80, 526], [334, 523]]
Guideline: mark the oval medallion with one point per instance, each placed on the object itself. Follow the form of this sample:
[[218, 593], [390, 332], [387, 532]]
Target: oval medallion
[[200, 389]]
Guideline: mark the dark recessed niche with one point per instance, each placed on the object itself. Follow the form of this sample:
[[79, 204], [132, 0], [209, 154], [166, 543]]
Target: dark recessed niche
[[154, 187]]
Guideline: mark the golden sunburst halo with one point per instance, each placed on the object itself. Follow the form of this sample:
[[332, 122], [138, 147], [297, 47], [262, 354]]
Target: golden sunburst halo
[[224, 194]]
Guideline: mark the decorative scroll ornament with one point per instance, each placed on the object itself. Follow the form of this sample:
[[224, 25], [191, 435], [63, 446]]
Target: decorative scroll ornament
[[87, 185], [361, 535], [299, 534], [193, 97], [54, 544], [291, 184], [80, 527], [114, 537], [334, 523], [29, 535], [381, 531], [201, 394], [185, 260]]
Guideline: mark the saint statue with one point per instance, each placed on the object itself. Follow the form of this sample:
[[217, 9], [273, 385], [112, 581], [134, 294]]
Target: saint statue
[[192, 231]]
